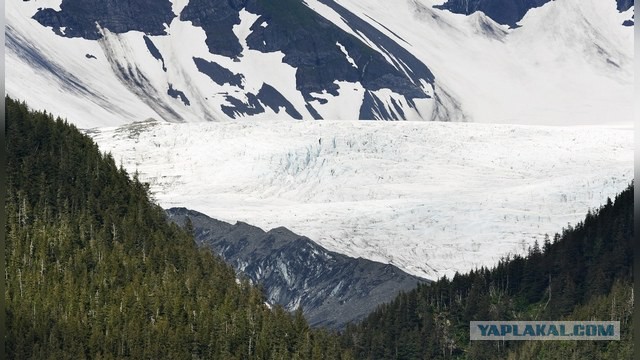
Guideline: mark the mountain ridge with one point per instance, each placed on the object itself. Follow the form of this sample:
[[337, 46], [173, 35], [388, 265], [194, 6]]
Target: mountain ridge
[[310, 44], [332, 289], [328, 59], [95, 270]]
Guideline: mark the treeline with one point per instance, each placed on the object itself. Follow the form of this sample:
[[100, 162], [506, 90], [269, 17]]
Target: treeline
[[584, 273], [94, 270]]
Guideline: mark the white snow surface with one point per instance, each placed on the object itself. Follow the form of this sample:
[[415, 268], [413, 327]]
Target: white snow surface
[[432, 198], [570, 62], [346, 53]]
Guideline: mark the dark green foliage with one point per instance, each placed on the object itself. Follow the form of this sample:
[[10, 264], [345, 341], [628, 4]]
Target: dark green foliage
[[94, 270], [584, 274], [617, 305]]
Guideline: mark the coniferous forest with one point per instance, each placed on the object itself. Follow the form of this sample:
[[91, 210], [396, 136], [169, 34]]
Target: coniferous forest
[[584, 273], [94, 271]]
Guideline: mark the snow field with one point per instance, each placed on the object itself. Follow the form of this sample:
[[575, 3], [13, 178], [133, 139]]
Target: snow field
[[431, 198]]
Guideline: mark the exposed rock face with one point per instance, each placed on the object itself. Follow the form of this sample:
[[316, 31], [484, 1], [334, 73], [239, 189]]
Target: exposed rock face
[[624, 5], [332, 289], [506, 12], [322, 53], [79, 17], [217, 19], [217, 73], [309, 44]]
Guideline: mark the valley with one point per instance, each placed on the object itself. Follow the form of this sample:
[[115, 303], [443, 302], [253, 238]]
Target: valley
[[431, 198]]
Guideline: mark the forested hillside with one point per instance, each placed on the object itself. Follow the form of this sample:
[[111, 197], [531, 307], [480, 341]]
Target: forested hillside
[[94, 270], [584, 273]]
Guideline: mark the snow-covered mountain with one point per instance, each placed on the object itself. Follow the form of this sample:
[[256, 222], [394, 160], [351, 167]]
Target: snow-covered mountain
[[432, 198], [112, 62], [198, 96]]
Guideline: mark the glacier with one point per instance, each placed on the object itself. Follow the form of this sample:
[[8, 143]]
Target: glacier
[[432, 198]]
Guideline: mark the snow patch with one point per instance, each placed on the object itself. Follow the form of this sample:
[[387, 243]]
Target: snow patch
[[346, 54], [338, 107]]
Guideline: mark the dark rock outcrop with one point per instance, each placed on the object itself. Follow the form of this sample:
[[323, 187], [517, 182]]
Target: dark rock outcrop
[[505, 12], [267, 97], [219, 74], [153, 50], [177, 94], [309, 43], [216, 18], [624, 5], [79, 17], [273, 99], [333, 289]]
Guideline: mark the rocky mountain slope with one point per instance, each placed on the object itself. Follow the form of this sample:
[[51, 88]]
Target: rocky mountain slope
[[294, 271], [508, 61]]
